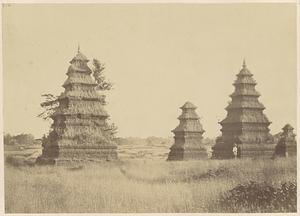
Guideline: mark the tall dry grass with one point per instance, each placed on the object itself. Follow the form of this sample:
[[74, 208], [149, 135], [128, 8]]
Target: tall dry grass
[[136, 186]]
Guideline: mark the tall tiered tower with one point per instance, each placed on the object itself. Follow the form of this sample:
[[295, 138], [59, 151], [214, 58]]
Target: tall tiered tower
[[188, 136], [245, 124], [80, 130]]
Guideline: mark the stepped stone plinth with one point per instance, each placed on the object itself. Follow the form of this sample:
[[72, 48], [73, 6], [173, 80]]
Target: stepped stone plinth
[[188, 136]]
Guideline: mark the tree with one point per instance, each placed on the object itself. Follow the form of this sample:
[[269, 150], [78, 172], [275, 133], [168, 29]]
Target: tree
[[100, 79], [49, 106], [113, 129], [103, 85], [7, 139]]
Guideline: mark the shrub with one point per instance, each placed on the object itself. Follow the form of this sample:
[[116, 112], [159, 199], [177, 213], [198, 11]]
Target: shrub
[[260, 197], [14, 161], [18, 161]]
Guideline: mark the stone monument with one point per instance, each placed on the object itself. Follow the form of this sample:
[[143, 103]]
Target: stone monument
[[245, 125], [188, 136], [79, 131], [287, 144]]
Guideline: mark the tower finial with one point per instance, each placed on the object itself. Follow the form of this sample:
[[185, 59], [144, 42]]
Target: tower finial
[[78, 49], [244, 63]]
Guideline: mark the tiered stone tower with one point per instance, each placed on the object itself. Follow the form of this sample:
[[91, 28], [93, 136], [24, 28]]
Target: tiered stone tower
[[287, 144], [188, 136], [80, 131], [245, 124]]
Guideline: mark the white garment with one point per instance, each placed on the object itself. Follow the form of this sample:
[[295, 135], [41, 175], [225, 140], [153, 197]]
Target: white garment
[[235, 150]]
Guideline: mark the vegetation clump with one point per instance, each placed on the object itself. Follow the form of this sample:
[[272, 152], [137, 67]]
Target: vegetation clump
[[19, 161], [260, 197]]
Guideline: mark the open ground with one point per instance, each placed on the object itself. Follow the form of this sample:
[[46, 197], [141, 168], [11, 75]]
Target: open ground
[[138, 185]]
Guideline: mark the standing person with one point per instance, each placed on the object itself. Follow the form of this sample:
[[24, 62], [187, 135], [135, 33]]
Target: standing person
[[235, 150], [209, 152]]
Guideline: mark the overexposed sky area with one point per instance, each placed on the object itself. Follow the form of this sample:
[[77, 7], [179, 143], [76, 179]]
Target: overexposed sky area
[[158, 56]]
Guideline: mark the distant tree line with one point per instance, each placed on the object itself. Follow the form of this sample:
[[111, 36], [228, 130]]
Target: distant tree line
[[152, 140], [20, 139]]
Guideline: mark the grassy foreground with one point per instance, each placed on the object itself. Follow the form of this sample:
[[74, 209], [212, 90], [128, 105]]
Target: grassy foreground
[[136, 186]]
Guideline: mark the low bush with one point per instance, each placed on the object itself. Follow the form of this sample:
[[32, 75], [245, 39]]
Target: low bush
[[260, 197], [18, 161]]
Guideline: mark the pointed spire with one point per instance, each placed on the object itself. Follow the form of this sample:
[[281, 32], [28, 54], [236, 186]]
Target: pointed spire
[[188, 105], [244, 70], [244, 63], [79, 56]]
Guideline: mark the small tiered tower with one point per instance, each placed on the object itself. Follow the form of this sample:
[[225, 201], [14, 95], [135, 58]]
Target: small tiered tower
[[79, 131], [188, 136], [245, 124], [287, 144]]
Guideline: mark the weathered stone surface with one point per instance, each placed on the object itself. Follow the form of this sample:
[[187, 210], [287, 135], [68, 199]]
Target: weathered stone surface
[[80, 129], [245, 124], [188, 136]]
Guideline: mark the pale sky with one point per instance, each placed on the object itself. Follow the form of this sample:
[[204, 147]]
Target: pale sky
[[158, 56]]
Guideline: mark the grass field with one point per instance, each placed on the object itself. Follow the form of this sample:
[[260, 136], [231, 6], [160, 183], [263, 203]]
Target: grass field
[[136, 185]]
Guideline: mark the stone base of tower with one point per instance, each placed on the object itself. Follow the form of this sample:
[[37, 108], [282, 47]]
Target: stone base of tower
[[255, 150], [222, 153], [78, 154], [291, 150], [286, 151], [222, 150], [247, 150], [187, 154]]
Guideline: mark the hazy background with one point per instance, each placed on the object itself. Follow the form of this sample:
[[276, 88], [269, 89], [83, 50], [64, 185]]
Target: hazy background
[[158, 56]]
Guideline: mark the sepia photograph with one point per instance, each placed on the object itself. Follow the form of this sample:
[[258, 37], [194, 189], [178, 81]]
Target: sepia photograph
[[153, 107]]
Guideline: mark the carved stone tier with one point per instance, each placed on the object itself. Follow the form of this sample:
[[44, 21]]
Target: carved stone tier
[[187, 154]]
